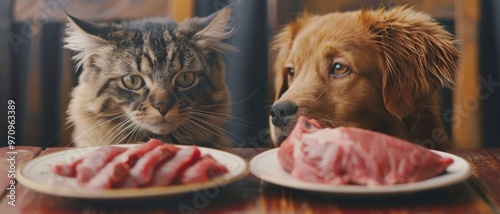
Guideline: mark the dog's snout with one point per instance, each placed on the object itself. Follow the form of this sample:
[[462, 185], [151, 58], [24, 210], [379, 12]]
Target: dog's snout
[[282, 112]]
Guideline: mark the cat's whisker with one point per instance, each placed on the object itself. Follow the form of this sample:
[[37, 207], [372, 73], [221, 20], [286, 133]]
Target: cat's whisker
[[96, 125], [120, 132], [232, 103], [127, 134], [97, 116], [184, 131], [104, 140], [133, 132], [212, 113], [200, 123], [68, 125], [113, 131], [100, 117], [216, 118], [222, 118], [248, 116], [188, 128], [137, 131], [218, 114], [140, 132]]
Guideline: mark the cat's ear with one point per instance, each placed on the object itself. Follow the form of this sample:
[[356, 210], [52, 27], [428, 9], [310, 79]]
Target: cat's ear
[[93, 30], [85, 38], [217, 25], [81, 33], [215, 28]]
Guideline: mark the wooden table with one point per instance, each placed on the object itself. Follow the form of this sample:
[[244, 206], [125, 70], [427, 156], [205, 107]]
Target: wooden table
[[479, 194]]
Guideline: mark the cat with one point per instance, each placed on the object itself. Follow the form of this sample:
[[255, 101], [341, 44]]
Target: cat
[[150, 78]]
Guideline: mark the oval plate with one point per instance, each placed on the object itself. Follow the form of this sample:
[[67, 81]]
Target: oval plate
[[266, 166], [37, 175]]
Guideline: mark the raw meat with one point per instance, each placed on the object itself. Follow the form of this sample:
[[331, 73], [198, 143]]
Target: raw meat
[[352, 155], [149, 164], [168, 171], [95, 160], [114, 172], [67, 169], [110, 176], [143, 171], [202, 170], [285, 152]]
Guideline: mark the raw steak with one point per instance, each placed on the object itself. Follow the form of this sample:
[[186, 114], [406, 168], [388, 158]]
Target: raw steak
[[206, 168], [352, 155], [168, 171], [285, 152]]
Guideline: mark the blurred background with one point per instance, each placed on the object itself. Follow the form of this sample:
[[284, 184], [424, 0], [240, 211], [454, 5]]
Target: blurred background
[[37, 73]]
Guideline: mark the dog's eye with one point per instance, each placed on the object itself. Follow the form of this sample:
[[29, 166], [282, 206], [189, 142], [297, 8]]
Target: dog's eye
[[290, 71], [339, 70]]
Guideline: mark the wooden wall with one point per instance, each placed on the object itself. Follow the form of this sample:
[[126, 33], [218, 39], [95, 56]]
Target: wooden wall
[[467, 123]]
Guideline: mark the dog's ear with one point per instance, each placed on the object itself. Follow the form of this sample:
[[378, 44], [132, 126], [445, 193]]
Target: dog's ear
[[283, 43], [417, 57]]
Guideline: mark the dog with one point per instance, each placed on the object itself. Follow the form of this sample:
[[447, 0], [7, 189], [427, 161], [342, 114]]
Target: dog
[[376, 69]]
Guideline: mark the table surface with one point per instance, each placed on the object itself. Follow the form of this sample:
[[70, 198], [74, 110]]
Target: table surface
[[479, 194]]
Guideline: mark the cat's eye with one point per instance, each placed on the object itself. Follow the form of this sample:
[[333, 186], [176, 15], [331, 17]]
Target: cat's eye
[[132, 82], [339, 70], [185, 79]]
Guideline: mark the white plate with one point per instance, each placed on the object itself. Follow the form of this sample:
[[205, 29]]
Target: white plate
[[267, 167], [37, 174]]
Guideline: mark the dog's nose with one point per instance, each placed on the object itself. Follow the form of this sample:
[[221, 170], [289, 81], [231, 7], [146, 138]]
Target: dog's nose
[[282, 112]]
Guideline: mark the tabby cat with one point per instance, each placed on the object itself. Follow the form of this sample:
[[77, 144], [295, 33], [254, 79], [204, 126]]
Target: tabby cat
[[150, 78]]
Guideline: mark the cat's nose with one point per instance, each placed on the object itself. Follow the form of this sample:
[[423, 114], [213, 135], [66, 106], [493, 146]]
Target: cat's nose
[[162, 108]]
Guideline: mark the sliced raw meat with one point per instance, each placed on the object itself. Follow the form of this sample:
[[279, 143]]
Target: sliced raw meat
[[96, 160], [117, 169], [133, 154], [143, 171], [110, 176], [67, 169], [149, 164], [171, 169], [352, 155], [206, 168]]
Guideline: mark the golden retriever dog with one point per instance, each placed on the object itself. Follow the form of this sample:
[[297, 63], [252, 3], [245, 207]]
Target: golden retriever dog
[[373, 69]]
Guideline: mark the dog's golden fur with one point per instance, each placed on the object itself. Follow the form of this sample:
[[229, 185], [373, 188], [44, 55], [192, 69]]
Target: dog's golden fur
[[398, 60]]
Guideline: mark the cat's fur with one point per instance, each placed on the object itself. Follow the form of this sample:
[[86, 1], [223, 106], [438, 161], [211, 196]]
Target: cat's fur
[[162, 53]]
